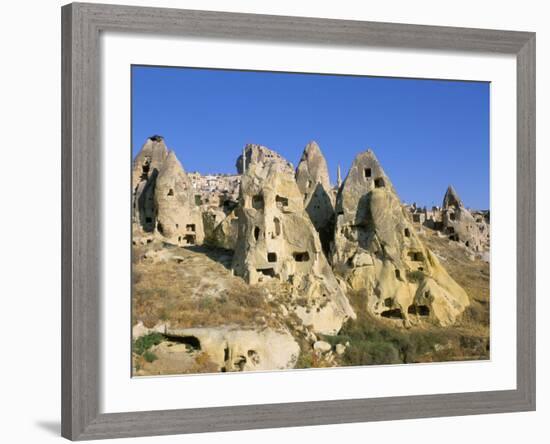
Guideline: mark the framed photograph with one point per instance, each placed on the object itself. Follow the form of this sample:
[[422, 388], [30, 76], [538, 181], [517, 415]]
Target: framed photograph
[[278, 221]]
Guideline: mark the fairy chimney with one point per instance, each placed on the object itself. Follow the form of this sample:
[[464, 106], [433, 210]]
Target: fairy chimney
[[313, 181], [179, 220], [460, 225], [146, 167], [276, 240], [377, 251]]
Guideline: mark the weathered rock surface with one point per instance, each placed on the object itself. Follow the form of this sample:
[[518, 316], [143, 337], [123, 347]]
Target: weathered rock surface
[[226, 232], [276, 240], [237, 349], [461, 226], [322, 346], [146, 168], [140, 330], [260, 154], [178, 218], [340, 349], [163, 201], [211, 218], [313, 180], [376, 250]]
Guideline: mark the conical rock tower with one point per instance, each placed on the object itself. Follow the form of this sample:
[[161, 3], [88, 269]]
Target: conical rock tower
[[313, 180], [179, 220], [163, 200], [145, 170], [377, 251], [460, 225], [277, 241]]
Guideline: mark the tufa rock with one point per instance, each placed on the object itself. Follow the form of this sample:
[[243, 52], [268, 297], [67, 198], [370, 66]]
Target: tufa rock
[[461, 226], [322, 346], [313, 180], [179, 220], [260, 154], [226, 232], [146, 167], [276, 240], [340, 349], [163, 201], [236, 349], [377, 251]]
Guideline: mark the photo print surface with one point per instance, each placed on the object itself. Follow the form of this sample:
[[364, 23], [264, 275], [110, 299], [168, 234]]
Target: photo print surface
[[297, 221]]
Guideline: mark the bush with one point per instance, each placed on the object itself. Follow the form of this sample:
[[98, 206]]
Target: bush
[[305, 360], [415, 276], [144, 343], [149, 356], [372, 342]]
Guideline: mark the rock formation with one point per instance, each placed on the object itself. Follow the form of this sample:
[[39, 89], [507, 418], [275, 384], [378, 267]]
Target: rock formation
[[147, 165], [259, 154], [237, 349], [163, 196], [460, 225], [276, 240], [377, 251], [226, 232], [178, 218], [313, 181]]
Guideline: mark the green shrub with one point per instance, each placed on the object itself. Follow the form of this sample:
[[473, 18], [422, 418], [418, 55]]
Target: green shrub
[[144, 343], [372, 342], [149, 356], [305, 360], [415, 276]]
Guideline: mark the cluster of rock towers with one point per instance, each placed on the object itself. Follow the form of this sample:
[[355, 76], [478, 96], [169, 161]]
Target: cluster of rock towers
[[291, 226]]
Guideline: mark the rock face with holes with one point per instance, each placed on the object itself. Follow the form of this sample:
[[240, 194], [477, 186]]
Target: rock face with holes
[[179, 220], [146, 168], [313, 181], [163, 200], [377, 251], [461, 226], [276, 240], [237, 349]]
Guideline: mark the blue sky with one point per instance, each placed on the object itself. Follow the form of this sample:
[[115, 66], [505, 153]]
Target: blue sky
[[427, 134]]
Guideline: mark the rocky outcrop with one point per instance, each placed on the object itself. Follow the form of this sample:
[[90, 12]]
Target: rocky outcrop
[[146, 168], [163, 196], [259, 154], [313, 181], [179, 220], [226, 232], [236, 349], [377, 251], [276, 240], [211, 218], [460, 225]]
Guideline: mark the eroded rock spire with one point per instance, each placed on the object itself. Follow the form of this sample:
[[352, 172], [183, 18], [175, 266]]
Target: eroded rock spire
[[276, 240], [313, 181], [376, 250]]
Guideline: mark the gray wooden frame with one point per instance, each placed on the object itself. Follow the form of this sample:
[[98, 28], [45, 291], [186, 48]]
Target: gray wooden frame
[[81, 26]]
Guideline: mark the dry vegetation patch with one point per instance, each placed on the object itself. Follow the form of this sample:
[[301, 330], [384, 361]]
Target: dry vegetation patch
[[195, 289]]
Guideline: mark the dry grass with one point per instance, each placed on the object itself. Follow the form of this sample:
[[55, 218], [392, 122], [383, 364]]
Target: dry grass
[[377, 341], [473, 276], [196, 291], [169, 365]]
